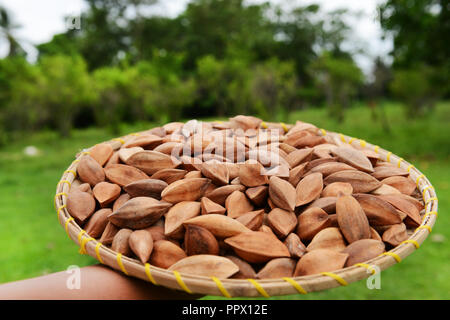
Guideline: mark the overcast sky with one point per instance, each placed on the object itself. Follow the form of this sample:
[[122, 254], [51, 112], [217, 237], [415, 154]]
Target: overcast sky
[[41, 19]]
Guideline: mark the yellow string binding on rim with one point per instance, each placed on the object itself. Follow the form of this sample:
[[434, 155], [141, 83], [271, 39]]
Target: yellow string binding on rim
[[97, 252], [119, 262], [120, 140], [72, 172], [363, 143], [431, 199], [425, 189], [424, 227], [66, 226], [335, 277], [65, 181], [351, 140], [376, 149], [83, 244], [181, 282], [80, 234], [221, 287], [393, 255], [57, 195], [409, 167], [285, 128], [259, 288], [366, 266], [149, 274], [342, 138], [414, 242], [295, 284], [324, 132], [264, 125], [399, 162], [418, 179], [388, 156]]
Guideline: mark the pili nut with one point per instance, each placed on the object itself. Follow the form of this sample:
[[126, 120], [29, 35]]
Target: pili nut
[[122, 174], [309, 189], [219, 225], [210, 207], [149, 141], [267, 229], [108, 234], [114, 159], [83, 187], [80, 205], [282, 221], [418, 204], [286, 148], [257, 246], [165, 253], [90, 171], [141, 243], [169, 148], [296, 174], [190, 163], [328, 204], [384, 172], [395, 234], [146, 188], [413, 214], [353, 157], [363, 250], [177, 214], [298, 156], [282, 193], [295, 246], [360, 181], [106, 192], [352, 220], [216, 171], [277, 268], [237, 204], [328, 238], [378, 211], [97, 223], [331, 167], [198, 240], [233, 169], [252, 220], [246, 271], [257, 195], [157, 232], [206, 265], [185, 190], [333, 220], [193, 174], [314, 163], [152, 161], [125, 153], [101, 153], [252, 174], [120, 242], [321, 260], [120, 201], [385, 189], [374, 234], [245, 122], [171, 127], [402, 184], [169, 175], [334, 188], [235, 181], [220, 194], [139, 213]]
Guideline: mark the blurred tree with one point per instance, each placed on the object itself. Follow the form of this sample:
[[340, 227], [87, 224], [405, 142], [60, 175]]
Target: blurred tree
[[339, 79], [7, 28], [419, 29], [415, 87]]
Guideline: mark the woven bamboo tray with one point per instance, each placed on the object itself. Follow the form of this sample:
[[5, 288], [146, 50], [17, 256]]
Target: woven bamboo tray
[[252, 287]]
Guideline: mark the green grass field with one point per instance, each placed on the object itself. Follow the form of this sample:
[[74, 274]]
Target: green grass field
[[32, 243]]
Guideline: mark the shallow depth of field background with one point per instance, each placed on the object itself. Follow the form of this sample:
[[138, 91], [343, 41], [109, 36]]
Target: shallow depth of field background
[[129, 68]]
